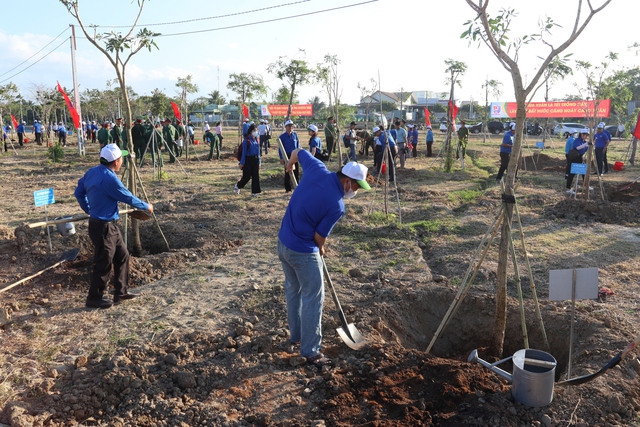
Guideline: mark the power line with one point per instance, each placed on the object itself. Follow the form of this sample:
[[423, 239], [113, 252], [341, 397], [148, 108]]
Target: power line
[[8, 71], [202, 19], [25, 69], [268, 20]]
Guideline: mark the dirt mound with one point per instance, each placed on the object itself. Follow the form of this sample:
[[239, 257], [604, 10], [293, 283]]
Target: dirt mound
[[595, 211]]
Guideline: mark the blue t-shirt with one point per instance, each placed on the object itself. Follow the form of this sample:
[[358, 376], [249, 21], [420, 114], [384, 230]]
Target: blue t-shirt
[[250, 147], [315, 206], [600, 139], [315, 142], [99, 191], [429, 135], [507, 139], [245, 128], [37, 128], [577, 143], [413, 136], [401, 135], [20, 128], [289, 142], [569, 145]]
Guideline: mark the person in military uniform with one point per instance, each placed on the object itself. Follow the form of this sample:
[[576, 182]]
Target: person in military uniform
[[104, 134], [139, 142], [116, 133], [169, 134], [213, 142], [180, 136]]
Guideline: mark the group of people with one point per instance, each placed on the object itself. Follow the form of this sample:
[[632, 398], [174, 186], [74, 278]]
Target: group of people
[[577, 145]]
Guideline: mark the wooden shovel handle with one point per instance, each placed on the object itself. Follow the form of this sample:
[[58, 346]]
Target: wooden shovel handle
[[31, 277], [74, 218]]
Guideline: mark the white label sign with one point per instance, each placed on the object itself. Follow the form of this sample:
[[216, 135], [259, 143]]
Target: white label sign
[[560, 283]]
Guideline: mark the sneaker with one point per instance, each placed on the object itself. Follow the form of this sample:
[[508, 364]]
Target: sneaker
[[98, 303], [236, 189], [571, 192], [255, 194]]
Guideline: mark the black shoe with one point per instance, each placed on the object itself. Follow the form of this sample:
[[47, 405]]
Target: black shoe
[[117, 299], [98, 303]]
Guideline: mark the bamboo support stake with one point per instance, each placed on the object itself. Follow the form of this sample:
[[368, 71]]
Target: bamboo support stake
[[155, 219], [516, 271]]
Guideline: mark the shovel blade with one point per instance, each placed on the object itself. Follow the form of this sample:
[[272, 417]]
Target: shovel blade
[[358, 340], [70, 255]]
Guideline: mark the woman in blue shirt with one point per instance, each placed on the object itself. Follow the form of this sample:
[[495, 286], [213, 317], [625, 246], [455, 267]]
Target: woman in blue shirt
[[315, 144], [580, 145], [250, 162]]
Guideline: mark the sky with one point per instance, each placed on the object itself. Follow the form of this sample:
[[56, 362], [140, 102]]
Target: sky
[[401, 44]]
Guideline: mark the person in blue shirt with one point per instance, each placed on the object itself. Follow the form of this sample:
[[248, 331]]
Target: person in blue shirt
[[601, 141], [20, 131], [315, 144], [580, 146], [505, 150], [314, 209], [401, 140], [62, 135], [98, 193], [413, 139], [290, 142], [37, 131], [94, 131], [567, 147], [382, 140], [250, 162], [429, 141]]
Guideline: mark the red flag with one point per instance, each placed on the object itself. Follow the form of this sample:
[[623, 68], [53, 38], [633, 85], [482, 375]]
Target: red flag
[[176, 111], [454, 110], [245, 111], [427, 119], [72, 109], [15, 122], [636, 131]]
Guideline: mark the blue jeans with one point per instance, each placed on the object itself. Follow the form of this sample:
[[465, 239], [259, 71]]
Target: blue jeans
[[304, 289], [352, 155]]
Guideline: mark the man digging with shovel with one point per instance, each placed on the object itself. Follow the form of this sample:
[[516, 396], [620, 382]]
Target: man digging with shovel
[[315, 207], [98, 194]]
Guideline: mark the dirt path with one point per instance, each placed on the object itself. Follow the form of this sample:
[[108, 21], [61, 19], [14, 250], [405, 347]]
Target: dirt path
[[206, 344]]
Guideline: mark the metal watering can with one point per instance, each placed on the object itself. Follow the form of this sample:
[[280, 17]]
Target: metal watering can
[[533, 375]]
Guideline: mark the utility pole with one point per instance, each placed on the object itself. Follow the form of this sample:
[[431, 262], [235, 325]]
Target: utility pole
[[401, 101], [76, 94]]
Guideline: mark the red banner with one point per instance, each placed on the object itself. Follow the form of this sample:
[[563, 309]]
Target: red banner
[[636, 131], [558, 109], [281, 110], [427, 119], [176, 111], [454, 111], [15, 122], [245, 111], [72, 109]]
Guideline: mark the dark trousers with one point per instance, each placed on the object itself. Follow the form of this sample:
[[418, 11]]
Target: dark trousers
[[379, 155], [110, 250], [606, 162], [429, 148], [571, 158], [20, 136], [414, 150], [504, 164], [39, 138], [600, 160], [330, 145], [287, 177], [251, 171]]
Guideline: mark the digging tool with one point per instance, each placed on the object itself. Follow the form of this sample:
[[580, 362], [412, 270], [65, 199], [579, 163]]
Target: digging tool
[[612, 363], [135, 213], [348, 332], [628, 186], [69, 255]]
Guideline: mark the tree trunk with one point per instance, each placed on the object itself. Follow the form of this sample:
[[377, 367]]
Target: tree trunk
[[448, 164], [632, 156], [293, 88], [135, 226]]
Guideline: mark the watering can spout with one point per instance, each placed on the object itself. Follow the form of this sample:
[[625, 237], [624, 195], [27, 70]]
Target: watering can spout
[[473, 357]]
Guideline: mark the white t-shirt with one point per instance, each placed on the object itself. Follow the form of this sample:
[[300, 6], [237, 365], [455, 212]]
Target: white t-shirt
[[262, 129], [206, 127]]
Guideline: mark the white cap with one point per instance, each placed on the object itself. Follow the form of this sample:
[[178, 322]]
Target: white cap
[[429, 127], [410, 126], [583, 131], [375, 129], [601, 125], [288, 122], [512, 126], [313, 128], [357, 171], [111, 152]]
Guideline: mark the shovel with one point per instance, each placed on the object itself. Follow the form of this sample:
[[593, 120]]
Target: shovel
[[613, 362], [628, 186], [69, 255], [348, 332]]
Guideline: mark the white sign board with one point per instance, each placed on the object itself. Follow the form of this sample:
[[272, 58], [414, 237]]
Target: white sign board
[[560, 284]]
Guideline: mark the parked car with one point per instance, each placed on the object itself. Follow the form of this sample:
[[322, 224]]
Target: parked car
[[477, 128], [534, 129], [565, 129], [443, 126], [495, 127], [613, 131]]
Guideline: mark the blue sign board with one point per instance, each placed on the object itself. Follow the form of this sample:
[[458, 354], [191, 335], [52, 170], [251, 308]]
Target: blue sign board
[[578, 168], [540, 144], [44, 197]]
